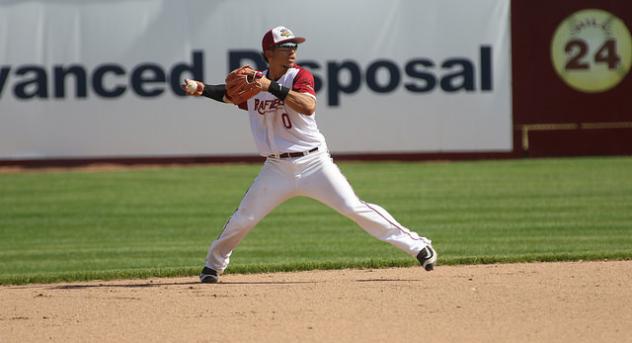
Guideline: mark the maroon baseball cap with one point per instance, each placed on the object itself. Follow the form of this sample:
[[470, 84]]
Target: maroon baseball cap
[[279, 35]]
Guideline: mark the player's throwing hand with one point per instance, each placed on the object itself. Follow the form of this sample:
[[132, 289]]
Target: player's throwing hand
[[192, 87]]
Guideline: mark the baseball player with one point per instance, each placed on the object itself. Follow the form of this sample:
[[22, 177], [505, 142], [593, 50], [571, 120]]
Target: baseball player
[[281, 102]]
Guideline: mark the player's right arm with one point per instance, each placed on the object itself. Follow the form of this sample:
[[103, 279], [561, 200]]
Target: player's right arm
[[216, 92], [197, 88]]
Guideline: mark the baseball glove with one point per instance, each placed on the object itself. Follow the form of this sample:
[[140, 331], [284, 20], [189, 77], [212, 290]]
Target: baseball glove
[[242, 84]]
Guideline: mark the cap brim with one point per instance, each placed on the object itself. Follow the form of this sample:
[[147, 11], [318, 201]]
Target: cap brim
[[297, 40]]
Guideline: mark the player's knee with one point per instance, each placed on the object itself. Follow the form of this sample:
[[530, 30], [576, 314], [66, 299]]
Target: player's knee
[[348, 209]]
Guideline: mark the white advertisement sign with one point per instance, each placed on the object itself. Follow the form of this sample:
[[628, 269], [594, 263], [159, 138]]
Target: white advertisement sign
[[82, 79]]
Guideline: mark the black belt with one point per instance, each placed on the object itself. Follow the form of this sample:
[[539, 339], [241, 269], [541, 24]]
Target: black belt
[[294, 154]]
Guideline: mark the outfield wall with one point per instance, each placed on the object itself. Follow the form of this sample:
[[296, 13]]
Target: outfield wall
[[572, 86], [405, 79]]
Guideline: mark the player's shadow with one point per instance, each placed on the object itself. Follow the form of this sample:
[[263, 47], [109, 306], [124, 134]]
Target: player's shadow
[[123, 285], [387, 280], [197, 283], [267, 282]]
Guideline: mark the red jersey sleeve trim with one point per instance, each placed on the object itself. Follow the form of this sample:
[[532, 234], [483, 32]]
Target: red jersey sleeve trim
[[304, 82]]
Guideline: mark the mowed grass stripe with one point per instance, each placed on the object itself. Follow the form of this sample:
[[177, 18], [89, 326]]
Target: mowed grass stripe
[[80, 225]]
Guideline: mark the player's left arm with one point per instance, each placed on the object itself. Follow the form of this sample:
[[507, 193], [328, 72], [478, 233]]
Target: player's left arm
[[301, 97], [301, 102]]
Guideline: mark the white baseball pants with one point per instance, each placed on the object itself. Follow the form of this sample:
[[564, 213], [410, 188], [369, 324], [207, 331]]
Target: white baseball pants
[[315, 176]]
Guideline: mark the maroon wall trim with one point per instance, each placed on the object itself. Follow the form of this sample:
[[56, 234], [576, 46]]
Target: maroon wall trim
[[193, 160]]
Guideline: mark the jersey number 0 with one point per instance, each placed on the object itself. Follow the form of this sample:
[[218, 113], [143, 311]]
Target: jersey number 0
[[286, 121]]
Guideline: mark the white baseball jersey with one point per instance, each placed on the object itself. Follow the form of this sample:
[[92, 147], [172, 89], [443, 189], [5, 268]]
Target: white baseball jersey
[[277, 128]]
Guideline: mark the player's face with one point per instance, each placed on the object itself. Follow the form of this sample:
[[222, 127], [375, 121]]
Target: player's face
[[284, 55]]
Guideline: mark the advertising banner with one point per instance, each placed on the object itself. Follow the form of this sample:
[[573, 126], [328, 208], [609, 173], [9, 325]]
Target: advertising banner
[[88, 79]]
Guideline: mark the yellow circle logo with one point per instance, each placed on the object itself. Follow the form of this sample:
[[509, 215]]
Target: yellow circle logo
[[592, 50]]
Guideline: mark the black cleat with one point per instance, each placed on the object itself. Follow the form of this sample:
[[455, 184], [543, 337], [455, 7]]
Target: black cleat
[[427, 257], [208, 275]]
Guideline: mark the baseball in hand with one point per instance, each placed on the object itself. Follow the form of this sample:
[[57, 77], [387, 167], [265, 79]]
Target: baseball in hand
[[193, 87]]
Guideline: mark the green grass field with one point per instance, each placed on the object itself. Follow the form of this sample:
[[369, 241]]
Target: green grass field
[[78, 225]]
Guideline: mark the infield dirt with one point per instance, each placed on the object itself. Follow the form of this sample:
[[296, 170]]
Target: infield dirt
[[538, 302]]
